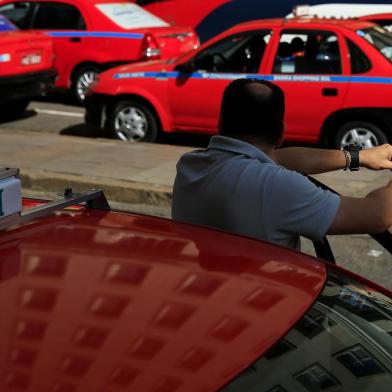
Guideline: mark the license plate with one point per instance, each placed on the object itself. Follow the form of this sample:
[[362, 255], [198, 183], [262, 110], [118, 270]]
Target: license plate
[[31, 59]]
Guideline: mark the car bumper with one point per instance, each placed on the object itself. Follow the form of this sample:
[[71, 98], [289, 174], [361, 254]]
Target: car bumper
[[96, 110], [16, 87]]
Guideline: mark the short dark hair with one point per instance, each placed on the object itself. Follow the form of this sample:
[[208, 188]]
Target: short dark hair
[[253, 108]]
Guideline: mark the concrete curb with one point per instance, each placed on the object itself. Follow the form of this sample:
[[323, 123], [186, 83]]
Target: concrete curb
[[119, 191]]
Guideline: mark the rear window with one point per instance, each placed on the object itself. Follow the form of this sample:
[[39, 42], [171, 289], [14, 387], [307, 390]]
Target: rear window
[[343, 343], [130, 16], [6, 25], [379, 38]]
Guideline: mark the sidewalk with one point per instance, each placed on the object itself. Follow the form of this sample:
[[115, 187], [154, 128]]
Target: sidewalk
[[131, 173], [128, 173]]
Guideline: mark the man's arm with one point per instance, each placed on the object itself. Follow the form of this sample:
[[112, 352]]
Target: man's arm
[[371, 214], [315, 161]]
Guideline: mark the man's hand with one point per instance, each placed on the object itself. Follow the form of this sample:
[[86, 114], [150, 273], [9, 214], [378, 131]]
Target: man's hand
[[376, 158]]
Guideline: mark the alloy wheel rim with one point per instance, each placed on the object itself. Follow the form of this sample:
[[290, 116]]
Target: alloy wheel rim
[[84, 82], [130, 124], [360, 136]]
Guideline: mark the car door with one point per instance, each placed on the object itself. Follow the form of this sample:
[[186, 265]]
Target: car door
[[195, 97], [62, 21], [308, 65]]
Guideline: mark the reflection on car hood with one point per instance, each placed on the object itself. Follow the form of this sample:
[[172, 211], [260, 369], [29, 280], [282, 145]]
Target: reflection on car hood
[[96, 300]]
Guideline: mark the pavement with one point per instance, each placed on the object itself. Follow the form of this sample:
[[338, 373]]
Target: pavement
[[139, 173]]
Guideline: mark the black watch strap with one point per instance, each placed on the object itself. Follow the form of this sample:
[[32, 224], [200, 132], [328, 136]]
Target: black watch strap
[[353, 149]]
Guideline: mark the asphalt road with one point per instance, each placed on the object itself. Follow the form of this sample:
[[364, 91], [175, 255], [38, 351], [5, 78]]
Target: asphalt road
[[60, 115]]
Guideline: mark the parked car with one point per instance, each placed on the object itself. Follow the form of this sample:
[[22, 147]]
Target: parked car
[[26, 67], [213, 17], [327, 70], [98, 300], [93, 35]]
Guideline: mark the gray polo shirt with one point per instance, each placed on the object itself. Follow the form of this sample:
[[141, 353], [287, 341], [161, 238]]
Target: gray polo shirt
[[234, 186]]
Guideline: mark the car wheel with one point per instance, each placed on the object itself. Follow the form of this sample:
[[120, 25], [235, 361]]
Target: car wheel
[[132, 121], [82, 80], [365, 134]]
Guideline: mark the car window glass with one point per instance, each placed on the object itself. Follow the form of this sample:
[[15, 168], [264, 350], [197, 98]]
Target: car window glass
[[308, 52], [18, 13], [6, 25], [385, 23], [358, 60], [58, 16], [130, 16], [239, 53], [342, 344], [380, 39]]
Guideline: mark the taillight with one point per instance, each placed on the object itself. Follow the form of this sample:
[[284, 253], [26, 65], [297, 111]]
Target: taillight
[[150, 47]]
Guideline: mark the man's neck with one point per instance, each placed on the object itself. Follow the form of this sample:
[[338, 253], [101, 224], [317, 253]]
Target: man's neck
[[265, 147]]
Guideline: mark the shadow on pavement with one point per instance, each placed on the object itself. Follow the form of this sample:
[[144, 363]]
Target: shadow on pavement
[[82, 130], [64, 98], [185, 139], [177, 139], [4, 118]]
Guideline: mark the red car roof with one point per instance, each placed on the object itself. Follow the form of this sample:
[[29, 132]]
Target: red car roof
[[98, 300], [352, 24]]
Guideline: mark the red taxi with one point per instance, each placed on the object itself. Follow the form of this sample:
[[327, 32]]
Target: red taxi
[[93, 35], [336, 75], [26, 67], [98, 300]]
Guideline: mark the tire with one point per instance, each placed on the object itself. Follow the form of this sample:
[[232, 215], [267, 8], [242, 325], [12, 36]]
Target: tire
[[13, 109], [82, 79], [363, 133], [131, 121]]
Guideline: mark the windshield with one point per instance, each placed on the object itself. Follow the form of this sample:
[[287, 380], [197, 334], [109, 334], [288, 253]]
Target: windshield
[[344, 343], [380, 38], [130, 16], [6, 25]]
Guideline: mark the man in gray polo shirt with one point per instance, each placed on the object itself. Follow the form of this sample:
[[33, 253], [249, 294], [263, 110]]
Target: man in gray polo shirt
[[241, 183]]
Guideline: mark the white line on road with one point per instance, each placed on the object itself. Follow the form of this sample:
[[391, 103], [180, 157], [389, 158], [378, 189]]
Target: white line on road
[[60, 113]]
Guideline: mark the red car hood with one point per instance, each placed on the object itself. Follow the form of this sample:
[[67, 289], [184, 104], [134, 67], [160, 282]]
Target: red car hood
[[100, 301]]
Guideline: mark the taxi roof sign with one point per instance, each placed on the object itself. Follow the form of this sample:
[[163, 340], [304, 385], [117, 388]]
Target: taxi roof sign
[[301, 10], [10, 197]]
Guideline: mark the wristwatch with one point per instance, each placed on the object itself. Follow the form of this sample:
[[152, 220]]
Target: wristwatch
[[353, 150]]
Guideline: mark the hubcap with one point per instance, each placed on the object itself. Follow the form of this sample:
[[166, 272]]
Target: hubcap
[[84, 82], [361, 136], [130, 124]]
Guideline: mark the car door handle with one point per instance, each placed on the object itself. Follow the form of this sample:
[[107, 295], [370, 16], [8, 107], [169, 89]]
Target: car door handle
[[74, 39], [329, 92]]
